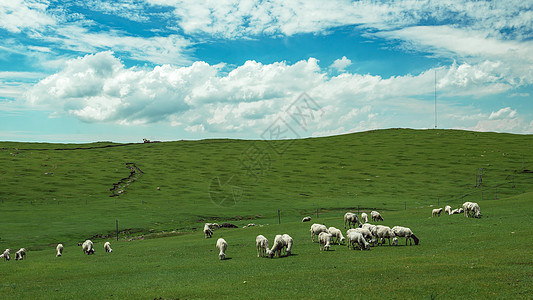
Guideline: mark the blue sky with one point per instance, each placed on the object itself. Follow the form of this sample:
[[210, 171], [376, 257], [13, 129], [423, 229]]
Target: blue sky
[[94, 70]]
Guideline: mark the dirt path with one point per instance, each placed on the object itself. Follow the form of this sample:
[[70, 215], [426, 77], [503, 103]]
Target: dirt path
[[119, 187]]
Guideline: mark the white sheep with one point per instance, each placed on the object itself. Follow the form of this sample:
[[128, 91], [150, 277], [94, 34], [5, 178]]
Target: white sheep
[[107, 247], [436, 212], [364, 218], [337, 235], [208, 232], [21, 254], [457, 211], [222, 246], [376, 216], [354, 238], [448, 209], [395, 241], [59, 250], [368, 226], [471, 209], [288, 243], [364, 231], [324, 241], [351, 218], [261, 243], [306, 219], [316, 229], [212, 226], [405, 232], [87, 247], [381, 232], [277, 246], [6, 255]]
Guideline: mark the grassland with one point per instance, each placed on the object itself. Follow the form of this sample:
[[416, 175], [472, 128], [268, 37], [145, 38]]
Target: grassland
[[49, 196]]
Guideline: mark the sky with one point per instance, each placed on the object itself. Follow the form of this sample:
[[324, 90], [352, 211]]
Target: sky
[[124, 70]]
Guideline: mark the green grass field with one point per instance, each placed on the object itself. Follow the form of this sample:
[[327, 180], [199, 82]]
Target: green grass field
[[49, 196]]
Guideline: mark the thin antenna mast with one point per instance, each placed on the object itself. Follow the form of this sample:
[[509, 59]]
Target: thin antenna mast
[[435, 98]]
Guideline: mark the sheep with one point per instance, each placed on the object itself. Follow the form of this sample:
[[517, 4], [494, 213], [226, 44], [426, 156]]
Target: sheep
[[19, 255], [405, 232], [457, 211], [351, 218], [261, 243], [471, 209], [354, 238], [364, 217], [324, 241], [436, 212], [288, 243], [107, 247], [306, 219], [212, 226], [207, 231], [381, 232], [278, 245], [222, 246], [6, 256], [59, 250], [368, 226], [316, 229], [395, 241], [337, 235], [376, 216], [448, 209], [87, 247], [364, 231]]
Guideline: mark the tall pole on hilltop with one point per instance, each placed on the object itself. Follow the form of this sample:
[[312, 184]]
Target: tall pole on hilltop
[[435, 98]]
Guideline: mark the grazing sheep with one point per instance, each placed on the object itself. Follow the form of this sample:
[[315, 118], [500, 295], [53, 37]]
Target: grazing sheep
[[354, 239], [436, 212], [212, 226], [278, 245], [222, 246], [324, 241], [364, 231], [457, 211], [471, 209], [351, 218], [6, 255], [381, 232], [59, 250], [288, 243], [405, 232], [19, 255], [376, 216], [87, 247], [395, 241], [107, 247], [306, 219], [316, 229], [368, 226], [448, 209], [337, 235], [261, 243], [208, 232], [364, 218]]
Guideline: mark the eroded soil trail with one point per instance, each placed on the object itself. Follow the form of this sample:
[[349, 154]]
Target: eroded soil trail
[[119, 187]]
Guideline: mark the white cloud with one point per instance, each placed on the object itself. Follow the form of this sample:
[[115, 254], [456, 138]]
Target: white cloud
[[341, 64], [18, 15], [201, 98], [504, 113]]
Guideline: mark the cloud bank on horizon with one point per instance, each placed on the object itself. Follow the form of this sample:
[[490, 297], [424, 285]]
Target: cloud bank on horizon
[[186, 69]]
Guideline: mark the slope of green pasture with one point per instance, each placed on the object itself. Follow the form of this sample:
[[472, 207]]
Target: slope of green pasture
[[456, 258], [49, 195]]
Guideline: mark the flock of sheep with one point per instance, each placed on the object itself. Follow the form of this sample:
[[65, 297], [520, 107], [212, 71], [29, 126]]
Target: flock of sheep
[[361, 236], [470, 209], [87, 248]]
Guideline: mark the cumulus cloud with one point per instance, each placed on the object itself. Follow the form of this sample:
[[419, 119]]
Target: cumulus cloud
[[504, 113], [341, 64], [202, 98]]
